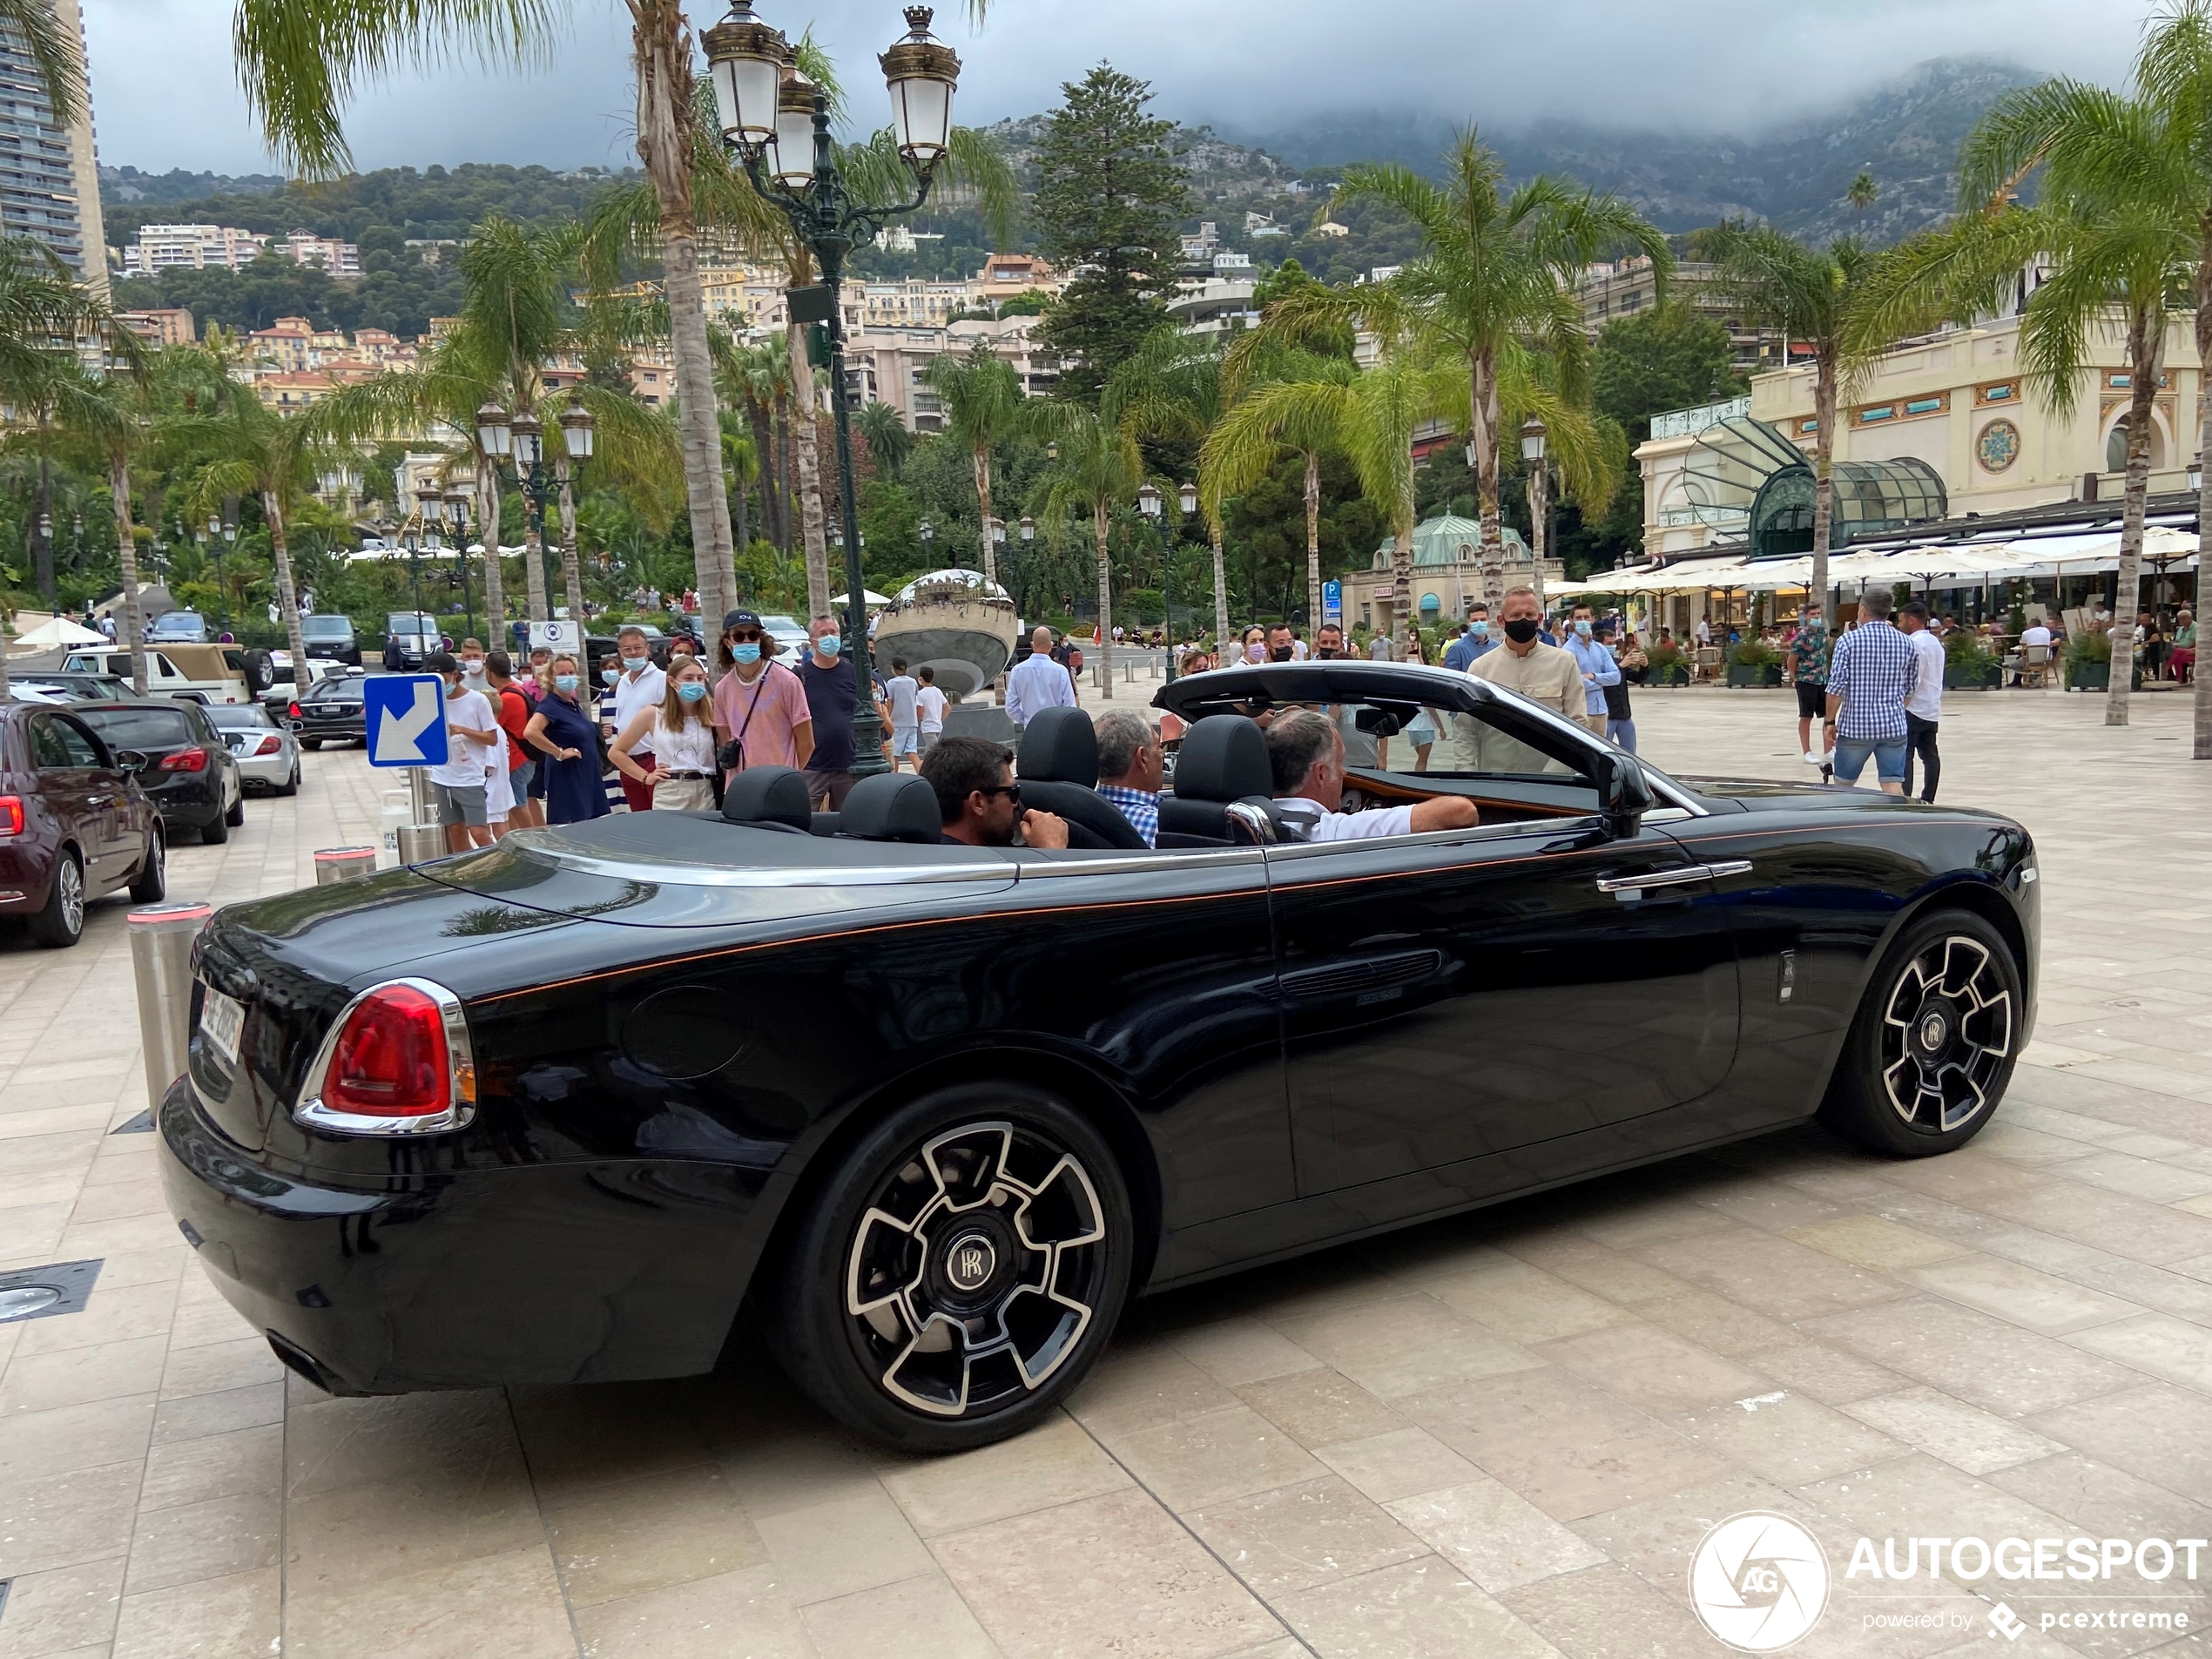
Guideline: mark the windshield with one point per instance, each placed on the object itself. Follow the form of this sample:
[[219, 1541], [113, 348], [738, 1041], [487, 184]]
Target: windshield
[[137, 728], [236, 716], [337, 686], [179, 621], [326, 628], [401, 622]]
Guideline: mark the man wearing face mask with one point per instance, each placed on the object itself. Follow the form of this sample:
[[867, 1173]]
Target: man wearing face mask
[[831, 699], [635, 685], [1282, 644], [761, 717], [1594, 664], [1542, 673], [1474, 644], [472, 741]]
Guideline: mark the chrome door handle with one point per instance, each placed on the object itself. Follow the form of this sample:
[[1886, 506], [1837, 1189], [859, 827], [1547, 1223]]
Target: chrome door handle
[[1680, 876]]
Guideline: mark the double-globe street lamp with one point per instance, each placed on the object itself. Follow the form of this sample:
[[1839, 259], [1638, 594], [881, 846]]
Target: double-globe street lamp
[[445, 515], [521, 437], [779, 122], [1148, 502]]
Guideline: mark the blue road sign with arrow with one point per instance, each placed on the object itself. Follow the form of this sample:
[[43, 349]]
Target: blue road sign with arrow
[[406, 717]]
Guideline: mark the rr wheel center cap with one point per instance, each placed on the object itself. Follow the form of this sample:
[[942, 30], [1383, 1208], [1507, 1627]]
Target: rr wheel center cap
[[1932, 1031], [971, 1257]]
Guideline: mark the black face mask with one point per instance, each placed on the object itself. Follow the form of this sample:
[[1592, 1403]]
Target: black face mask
[[1327, 653], [1279, 654], [1521, 630]]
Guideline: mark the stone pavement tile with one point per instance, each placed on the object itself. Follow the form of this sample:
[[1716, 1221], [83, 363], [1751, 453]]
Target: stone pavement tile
[[119, 1200], [32, 1230], [335, 1443], [219, 1367], [1776, 1277], [1962, 1435], [61, 1610], [1789, 1440], [237, 1614], [1593, 1267], [1917, 1496], [1652, 1368], [1605, 1611], [212, 1539], [1869, 1241], [1401, 1464], [1524, 1303], [1631, 1224], [71, 1153], [2164, 1289], [40, 1382], [918, 1618], [2154, 1232], [848, 1544], [1320, 1408], [1294, 1537], [644, 1534], [52, 1120], [1715, 1322], [1497, 1538], [780, 1471], [120, 1314], [222, 1413], [2106, 1501], [338, 1540], [1772, 1206], [66, 1520], [1239, 1350], [1199, 1461], [82, 1241], [198, 1324], [2019, 1294], [1567, 1448], [1319, 1283], [508, 1605], [1420, 1609], [1107, 1576], [2172, 1349], [33, 1444], [1971, 1355], [1965, 1177], [745, 1612], [588, 1436], [1407, 1344], [1053, 1463], [2139, 1177], [1654, 1539], [1828, 1375], [1143, 1384], [2029, 1148], [217, 1465]]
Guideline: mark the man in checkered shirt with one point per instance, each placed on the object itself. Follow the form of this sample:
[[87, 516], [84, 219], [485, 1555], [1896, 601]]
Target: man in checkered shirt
[[1869, 675]]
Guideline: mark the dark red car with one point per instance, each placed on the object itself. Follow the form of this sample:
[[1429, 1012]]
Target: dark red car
[[74, 824]]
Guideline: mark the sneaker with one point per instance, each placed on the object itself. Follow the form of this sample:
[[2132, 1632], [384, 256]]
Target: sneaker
[[1813, 758]]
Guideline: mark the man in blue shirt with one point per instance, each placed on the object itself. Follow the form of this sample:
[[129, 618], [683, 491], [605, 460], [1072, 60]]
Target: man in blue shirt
[[1870, 676], [1595, 661], [1470, 647]]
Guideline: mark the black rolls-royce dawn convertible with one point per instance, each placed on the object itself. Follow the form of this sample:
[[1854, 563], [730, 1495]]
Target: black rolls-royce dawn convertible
[[578, 1106]]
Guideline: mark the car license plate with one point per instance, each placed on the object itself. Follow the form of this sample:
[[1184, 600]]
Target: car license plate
[[221, 1019]]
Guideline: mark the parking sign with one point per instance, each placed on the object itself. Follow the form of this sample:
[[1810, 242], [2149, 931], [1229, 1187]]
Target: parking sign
[[406, 717], [1332, 601]]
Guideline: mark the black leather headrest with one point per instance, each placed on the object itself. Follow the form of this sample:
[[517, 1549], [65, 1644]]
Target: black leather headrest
[[890, 807], [1223, 758], [768, 795], [1060, 746]]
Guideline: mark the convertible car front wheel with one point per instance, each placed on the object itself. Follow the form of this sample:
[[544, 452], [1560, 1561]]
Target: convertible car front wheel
[[960, 1271], [1934, 1045]]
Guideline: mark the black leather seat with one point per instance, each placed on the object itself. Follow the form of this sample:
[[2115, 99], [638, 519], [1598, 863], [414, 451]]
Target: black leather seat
[[1058, 766], [1223, 759], [890, 807], [770, 798]]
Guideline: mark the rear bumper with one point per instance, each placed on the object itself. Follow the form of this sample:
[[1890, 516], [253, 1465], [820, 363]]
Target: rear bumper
[[196, 800], [26, 875], [513, 1275], [268, 771]]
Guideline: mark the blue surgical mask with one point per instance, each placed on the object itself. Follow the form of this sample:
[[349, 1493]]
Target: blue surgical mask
[[564, 682], [747, 652], [610, 675], [692, 690], [829, 644], [1582, 627], [634, 665]]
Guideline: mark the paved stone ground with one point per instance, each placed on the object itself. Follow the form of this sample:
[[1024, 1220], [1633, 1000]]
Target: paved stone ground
[[1500, 1435]]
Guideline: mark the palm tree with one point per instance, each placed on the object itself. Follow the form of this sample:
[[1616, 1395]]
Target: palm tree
[[1096, 468], [1493, 284], [982, 397], [1809, 295], [1264, 420], [889, 440], [1176, 389], [110, 417], [1862, 193]]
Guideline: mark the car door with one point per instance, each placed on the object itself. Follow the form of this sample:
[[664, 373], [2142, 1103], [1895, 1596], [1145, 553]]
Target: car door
[[111, 831], [65, 783]]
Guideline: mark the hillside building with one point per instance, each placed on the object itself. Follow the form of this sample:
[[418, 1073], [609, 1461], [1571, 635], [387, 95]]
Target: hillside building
[[50, 183]]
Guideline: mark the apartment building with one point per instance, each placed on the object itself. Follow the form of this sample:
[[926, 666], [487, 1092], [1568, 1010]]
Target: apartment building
[[49, 187], [157, 249], [171, 326], [889, 365]]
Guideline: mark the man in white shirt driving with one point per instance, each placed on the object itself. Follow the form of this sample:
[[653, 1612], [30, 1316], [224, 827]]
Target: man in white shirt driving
[[1305, 752]]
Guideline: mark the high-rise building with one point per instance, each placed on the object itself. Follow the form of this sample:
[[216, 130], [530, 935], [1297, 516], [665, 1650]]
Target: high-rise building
[[49, 186]]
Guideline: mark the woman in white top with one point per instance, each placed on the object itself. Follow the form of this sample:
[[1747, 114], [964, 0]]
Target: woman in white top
[[678, 733]]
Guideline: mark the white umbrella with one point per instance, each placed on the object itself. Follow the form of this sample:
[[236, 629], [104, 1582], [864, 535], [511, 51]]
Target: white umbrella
[[56, 632]]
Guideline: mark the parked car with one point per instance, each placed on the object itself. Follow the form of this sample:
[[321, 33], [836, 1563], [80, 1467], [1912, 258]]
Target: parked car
[[332, 711], [74, 824], [788, 632], [330, 638], [177, 628], [285, 682], [190, 774], [220, 673], [69, 687], [267, 752], [411, 635], [565, 1110]]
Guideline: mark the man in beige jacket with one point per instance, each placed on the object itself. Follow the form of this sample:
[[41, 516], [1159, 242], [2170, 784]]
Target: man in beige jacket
[[1541, 674]]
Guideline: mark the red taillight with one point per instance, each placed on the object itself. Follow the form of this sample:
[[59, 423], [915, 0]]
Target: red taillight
[[270, 745], [11, 815], [186, 760], [295, 710], [391, 1059]]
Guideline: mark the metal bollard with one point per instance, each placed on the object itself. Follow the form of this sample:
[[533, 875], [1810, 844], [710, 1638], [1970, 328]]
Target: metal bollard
[[343, 864], [1129, 674], [161, 941], [420, 843]]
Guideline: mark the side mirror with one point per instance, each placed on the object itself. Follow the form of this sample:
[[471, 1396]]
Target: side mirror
[[131, 760], [1624, 794]]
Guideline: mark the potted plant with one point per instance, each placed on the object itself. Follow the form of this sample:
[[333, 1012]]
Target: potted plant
[[2089, 663], [1968, 664], [1753, 662], [1668, 667]]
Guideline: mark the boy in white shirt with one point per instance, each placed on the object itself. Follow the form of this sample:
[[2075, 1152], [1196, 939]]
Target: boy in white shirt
[[473, 743], [929, 704]]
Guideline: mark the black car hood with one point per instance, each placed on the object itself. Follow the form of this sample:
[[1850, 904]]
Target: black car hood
[[1761, 795]]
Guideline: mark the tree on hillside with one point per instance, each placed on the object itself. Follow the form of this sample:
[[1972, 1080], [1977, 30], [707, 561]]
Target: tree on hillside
[[1862, 193], [1667, 358], [983, 398], [1109, 200]]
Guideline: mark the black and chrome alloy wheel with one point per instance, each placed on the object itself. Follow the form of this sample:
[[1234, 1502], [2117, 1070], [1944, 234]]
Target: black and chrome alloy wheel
[[1946, 1033], [958, 1272]]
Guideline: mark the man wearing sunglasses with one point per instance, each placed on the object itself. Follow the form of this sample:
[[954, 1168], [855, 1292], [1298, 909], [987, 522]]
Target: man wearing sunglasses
[[978, 802], [759, 705]]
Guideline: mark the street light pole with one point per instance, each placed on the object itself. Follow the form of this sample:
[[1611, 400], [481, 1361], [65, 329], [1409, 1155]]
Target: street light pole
[[523, 437], [766, 109], [457, 519], [1532, 451]]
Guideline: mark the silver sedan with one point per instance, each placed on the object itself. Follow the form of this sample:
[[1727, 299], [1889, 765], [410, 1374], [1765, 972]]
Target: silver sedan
[[267, 753]]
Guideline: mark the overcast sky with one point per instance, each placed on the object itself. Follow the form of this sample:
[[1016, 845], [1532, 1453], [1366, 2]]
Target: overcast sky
[[164, 95]]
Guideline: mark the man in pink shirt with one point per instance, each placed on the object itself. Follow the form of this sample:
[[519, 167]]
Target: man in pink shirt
[[758, 704]]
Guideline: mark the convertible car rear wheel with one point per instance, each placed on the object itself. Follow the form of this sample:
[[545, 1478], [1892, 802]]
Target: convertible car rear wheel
[[1932, 1048], [960, 1271]]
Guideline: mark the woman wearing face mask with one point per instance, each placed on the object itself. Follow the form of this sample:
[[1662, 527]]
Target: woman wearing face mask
[[1255, 643], [563, 732], [678, 733]]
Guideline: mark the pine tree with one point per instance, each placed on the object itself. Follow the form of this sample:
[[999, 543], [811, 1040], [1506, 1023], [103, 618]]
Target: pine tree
[[1110, 197]]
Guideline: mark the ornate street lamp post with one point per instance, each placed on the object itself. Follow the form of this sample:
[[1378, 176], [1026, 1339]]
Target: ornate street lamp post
[[1532, 451], [458, 527], [779, 122], [522, 437]]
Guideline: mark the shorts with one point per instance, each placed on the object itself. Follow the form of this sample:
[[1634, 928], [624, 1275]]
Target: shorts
[[537, 779], [683, 795], [825, 790], [521, 777], [1812, 699], [464, 803], [1853, 754], [931, 737], [906, 740]]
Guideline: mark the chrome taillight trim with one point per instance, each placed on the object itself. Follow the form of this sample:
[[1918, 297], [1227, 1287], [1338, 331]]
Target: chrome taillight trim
[[461, 1073]]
